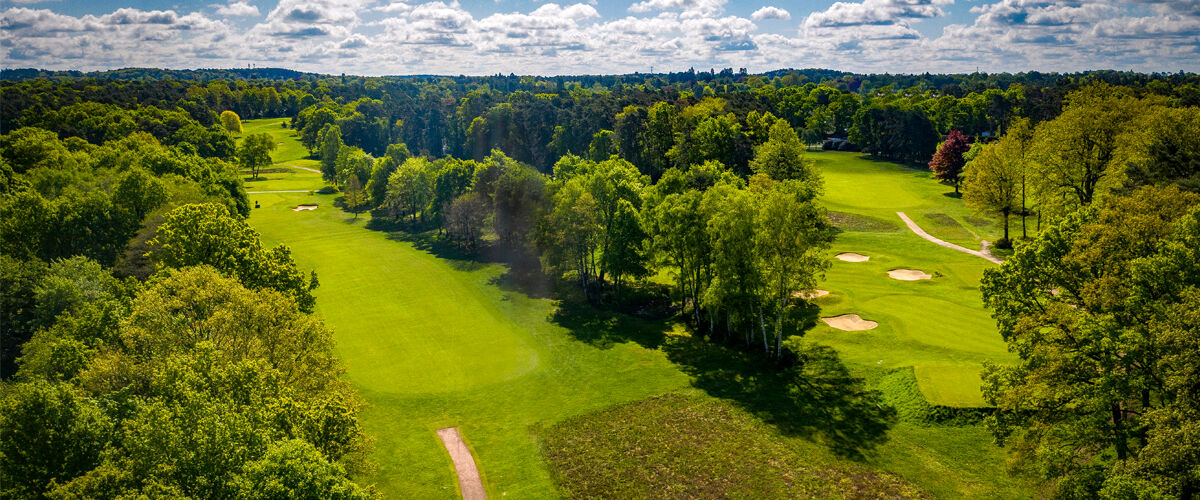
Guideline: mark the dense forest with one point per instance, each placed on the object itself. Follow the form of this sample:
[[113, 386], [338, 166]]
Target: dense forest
[[153, 346]]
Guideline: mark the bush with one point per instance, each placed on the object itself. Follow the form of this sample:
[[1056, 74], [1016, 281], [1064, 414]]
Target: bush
[[1003, 243]]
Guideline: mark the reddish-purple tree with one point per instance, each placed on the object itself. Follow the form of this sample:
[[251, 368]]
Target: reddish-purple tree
[[947, 163]]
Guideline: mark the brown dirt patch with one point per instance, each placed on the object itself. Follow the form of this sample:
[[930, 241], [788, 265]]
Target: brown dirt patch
[[850, 323], [909, 274], [852, 257]]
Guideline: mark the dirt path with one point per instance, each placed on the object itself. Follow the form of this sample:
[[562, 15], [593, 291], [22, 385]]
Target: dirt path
[[464, 463], [921, 232], [301, 168]]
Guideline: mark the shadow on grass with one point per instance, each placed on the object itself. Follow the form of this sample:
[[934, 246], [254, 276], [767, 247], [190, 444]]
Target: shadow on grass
[[522, 275], [812, 395], [603, 329], [816, 398]]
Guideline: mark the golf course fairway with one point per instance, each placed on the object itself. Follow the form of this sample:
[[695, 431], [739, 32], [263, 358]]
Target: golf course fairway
[[432, 342]]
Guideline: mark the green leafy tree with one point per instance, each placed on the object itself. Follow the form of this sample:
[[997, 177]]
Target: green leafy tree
[[50, 433], [604, 145], [1088, 307], [254, 153], [1076, 152], [355, 196], [781, 157], [329, 145], [231, 121], [997, 179], [411, 189], [207, 234], [296, 469], [791, 237]]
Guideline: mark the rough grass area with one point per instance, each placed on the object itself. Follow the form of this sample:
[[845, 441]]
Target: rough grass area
[[687, 446], [855, 222]]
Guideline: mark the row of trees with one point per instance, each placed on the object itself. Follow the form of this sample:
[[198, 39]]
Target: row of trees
[[1105, 141], [1100, 305], [740, 250]]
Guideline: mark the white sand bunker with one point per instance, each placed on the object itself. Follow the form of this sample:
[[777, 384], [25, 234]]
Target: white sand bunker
[[304, 207], [852, 257], [810, 294], [850, 323], [909, 274]]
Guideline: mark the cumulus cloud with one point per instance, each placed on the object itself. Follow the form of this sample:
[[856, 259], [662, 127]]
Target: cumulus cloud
[[398, 37], [237, 9], [769, 12], [690, 8], [875, 12]]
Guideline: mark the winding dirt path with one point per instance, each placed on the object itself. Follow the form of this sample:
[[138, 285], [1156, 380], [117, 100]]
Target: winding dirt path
[[468, 475], [921, 232]]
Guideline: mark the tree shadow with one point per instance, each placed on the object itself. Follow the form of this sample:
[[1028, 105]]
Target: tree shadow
[[815, 397], [603, 329]]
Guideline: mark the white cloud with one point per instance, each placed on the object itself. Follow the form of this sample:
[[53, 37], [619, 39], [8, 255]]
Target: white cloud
[[770, 12], [237, 9], [398, 37], [690, 8]]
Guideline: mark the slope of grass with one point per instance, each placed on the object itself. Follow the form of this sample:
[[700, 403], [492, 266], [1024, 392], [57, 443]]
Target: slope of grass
[[287, 146]]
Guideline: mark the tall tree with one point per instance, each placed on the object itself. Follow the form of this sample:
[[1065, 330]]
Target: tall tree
[[255, 152], [993, 180], [355, 196], [1076, 152], [330, 145], [781, 157], [791, 238]]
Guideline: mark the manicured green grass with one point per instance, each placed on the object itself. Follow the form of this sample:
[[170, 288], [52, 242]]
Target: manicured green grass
[[930, 377], [433, 342], [937, 325], [287, 146]]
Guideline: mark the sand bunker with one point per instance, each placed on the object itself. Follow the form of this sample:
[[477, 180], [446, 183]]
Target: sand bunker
[[810, 294], [852, 257], [850, 323], [909, 274], [304, 207]]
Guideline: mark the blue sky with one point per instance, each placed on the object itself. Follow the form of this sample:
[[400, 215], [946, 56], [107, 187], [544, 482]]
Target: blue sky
[[376, 37]]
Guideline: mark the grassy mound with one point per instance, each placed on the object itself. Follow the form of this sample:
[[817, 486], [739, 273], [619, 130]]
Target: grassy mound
[[690, 446]]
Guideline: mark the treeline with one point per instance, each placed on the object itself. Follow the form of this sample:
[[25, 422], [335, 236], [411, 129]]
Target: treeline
[[1099, 301], [151, 346], [1107, 140], [537, 120]]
